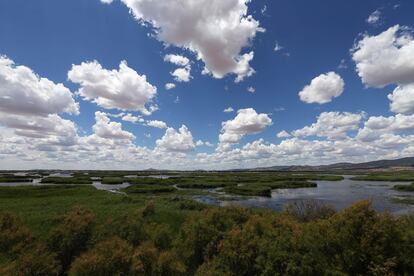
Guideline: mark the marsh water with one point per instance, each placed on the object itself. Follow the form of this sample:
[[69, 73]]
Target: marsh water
[[339, 194]]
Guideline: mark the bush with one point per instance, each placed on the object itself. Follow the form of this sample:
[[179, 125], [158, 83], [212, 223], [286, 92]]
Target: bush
[[160, 234], [14, 236], [170, 264], [71, 237], [147, 210], [111, 257], [193, 205], [201, 233], [129, 228], [37, 261], [307, 210], [144, 259]]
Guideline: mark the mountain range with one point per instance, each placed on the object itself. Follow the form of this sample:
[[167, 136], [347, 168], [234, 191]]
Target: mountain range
[[396, 164]]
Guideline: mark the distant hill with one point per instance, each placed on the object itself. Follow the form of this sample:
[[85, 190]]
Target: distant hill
[[397, 164]]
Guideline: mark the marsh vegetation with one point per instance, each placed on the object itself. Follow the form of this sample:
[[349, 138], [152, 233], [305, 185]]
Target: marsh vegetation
[[154, 227], [90, 232]]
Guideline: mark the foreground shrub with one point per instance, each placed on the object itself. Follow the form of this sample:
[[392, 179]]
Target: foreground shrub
[[129, 228], [14, 236], [160, 234], [71, 237], [370, 241], [201, 234], [264, 245], [144, 259], [356, 241], [111, 257], [147, 210], [170, 264], [308, 210], [36, 261]]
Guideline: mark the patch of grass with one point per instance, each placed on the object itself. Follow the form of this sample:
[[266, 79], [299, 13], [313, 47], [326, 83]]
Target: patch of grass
[[67, 180], [394, 177], [113, 180], [40, 206], [291, 184], [324, 177], [200, 185], [150, 181], [11, 179], [149, 189], [405, 188], [405, 199]]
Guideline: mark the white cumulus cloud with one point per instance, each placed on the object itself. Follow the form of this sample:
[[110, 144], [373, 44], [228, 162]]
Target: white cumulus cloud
[[106, 129], [182, 74], [283, 134], [387, 58], [169, 86], [247, 121], [323, 89], [176, 141], [156, 124], [402, 99], [177, 60], [374, 18], [23, 92], [333, 125], [215, 30], [29, 108], [132, 119], [122, 89]]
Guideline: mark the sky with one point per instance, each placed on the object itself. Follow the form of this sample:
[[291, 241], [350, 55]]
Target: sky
[[204, 84]]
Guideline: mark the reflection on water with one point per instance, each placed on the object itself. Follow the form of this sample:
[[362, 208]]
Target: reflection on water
[[110, 188], [35, 182], [339, 194]]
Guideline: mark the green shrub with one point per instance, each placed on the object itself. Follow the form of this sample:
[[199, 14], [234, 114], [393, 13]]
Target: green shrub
[[149, 189], [406, 188], [72, 235], [170, 264], [128, 227], [14, 236], [147, 210], [36, 261], [308, 210], [144, 259], [112, 180], [67, 180], [186, 204], [201, 233], [111, 257], [160, 234]]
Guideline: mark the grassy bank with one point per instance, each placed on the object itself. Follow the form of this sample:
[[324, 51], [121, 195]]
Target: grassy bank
[[66, 180], [405, 188], [380, 176]]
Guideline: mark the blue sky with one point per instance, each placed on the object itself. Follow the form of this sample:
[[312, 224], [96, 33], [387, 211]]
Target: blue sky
[[315, 37]]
